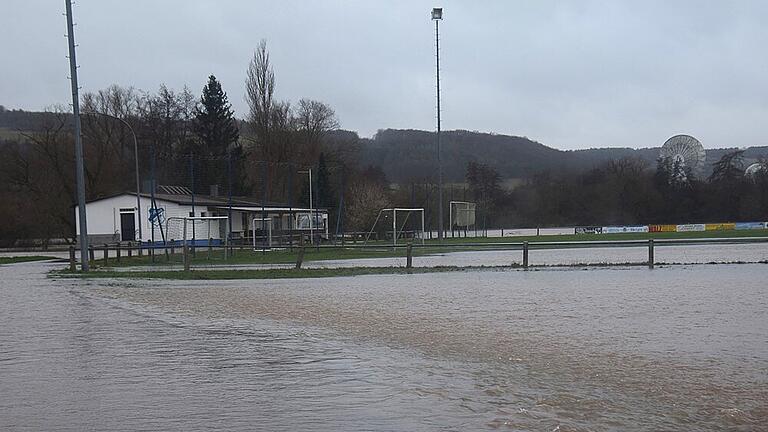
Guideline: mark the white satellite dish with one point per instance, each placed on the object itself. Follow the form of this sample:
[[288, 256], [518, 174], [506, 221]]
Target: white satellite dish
[[687, 151], [755, 169]]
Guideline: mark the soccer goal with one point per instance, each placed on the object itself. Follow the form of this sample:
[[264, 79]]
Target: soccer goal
[[261, 224], [461, 215], [398, 226], [197, 230]]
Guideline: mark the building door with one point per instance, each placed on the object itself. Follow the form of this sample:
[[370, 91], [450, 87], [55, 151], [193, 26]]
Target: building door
[[127, 227]]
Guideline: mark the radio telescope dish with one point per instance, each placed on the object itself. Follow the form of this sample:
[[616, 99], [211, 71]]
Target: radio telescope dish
[[687, 151], [755, 169]]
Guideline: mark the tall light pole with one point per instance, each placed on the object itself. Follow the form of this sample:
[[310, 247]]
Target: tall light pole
[[82, 221], [437, 16], [136, 160]]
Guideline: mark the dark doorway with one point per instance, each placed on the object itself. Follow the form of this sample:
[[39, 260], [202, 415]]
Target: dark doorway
[[127, 227]]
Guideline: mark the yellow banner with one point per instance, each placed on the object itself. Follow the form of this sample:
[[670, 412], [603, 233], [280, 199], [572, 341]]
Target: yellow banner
[[662, 228], [720, 226]]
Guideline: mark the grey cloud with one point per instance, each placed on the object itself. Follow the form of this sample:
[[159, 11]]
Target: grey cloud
[[569, 74]]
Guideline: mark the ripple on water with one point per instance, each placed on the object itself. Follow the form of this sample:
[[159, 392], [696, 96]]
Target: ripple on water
[[547, 350]]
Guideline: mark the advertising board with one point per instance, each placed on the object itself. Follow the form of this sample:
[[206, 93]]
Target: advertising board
[[625, 229], [750, 225], [691, 227], [719, 226], [662, 228], [588, 230]]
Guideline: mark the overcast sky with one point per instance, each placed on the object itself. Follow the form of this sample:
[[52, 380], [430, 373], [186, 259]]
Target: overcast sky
[[569, 74]]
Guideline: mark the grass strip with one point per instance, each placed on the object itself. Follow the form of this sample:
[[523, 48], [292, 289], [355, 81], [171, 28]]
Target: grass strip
[[291, 273], [610, 237], [22, 259]]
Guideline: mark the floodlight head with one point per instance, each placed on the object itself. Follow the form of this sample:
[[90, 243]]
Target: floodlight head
[[437, 13]]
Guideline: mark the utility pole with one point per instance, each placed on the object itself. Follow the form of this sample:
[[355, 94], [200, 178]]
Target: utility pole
[[82, 220], [437, 16]]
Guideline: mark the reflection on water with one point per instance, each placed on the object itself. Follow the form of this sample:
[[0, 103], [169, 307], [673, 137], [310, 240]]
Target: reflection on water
[[671, 348]]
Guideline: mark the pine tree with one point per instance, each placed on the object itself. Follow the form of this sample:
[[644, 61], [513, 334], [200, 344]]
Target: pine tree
[[216, 127], [325, 193], [214, 120]]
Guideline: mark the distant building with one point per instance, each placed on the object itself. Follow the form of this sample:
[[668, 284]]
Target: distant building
[[114, 218]]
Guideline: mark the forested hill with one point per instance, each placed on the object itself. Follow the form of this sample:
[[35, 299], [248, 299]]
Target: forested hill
[[409, 155]]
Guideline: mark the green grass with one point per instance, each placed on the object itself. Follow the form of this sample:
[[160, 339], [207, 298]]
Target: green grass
[[248, 256], [289, 273], [9, 134], [382, 250], [609, 237], [21, 259]]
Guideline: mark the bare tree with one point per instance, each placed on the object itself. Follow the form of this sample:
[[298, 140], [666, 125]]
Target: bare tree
[[364, 202], [259, 94], [314, 119]]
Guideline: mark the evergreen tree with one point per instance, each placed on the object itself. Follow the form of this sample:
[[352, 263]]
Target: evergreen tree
[[325, 193], [214, 120], [216, 127]]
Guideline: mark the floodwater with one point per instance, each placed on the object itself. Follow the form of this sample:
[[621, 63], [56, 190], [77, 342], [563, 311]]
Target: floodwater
[[675, 348]]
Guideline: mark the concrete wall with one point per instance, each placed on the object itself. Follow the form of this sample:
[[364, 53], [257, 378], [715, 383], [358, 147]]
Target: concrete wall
[[104, 216], [104, 219]]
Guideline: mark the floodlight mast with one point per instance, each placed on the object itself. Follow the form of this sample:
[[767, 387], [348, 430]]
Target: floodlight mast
[[83, 222], [437, 16]]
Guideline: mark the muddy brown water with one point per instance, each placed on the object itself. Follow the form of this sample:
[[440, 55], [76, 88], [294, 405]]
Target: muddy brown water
[[675, 348]]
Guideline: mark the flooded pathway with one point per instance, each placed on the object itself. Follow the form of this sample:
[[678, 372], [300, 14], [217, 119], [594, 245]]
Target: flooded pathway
[[675, 348]]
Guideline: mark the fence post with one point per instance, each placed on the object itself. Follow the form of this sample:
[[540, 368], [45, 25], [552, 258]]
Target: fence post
[[650, 254], [409, 255], [167, 255], [300, 257], [130, 249], [525, 254], [210, 240], [106, 255], [91, 254], [185, 258], [72, 265], [118, 252]]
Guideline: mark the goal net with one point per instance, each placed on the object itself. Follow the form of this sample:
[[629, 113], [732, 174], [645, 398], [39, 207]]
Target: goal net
[[396, 221], [197, 231], [462, 214], [262, 230]]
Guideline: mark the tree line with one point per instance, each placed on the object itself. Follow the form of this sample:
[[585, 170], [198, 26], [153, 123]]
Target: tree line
[[625, 191], [196, 141], [182, 139]]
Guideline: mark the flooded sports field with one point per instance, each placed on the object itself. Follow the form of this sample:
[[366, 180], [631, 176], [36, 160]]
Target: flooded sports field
[[674, 348]]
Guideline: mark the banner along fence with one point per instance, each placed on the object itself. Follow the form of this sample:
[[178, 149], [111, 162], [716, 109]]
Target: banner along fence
[[659, 228]]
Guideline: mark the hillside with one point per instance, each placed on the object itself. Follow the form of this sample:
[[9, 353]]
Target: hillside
[[408, 155]]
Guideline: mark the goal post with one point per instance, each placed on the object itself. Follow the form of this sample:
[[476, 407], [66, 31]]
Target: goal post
[[192, 229], [263, 222], [397, 227], [461, 214]]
